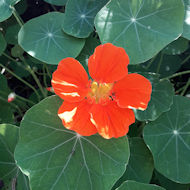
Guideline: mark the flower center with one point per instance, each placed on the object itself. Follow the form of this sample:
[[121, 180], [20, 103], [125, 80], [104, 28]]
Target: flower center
[[100, 92]]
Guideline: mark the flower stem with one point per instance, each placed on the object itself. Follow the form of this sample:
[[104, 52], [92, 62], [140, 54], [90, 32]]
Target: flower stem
[[185, 60], [19, 97], [160, 62], [151, 61], [23, 81], [176, 75], [185, 87], [17, 17], [24, 99], [34, 76]]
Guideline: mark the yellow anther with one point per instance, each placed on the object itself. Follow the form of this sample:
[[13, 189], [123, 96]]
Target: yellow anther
[[100, 91]]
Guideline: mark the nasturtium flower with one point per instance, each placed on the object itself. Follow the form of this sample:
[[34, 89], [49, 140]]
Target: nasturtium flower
[[105, 103]]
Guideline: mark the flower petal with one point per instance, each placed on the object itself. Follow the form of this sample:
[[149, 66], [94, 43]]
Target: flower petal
[[133, 91], [108, 63], [111, 120], [75, 116], [70, 80]]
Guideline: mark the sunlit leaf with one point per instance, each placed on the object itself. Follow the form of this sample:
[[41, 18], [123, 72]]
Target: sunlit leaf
[[142, 27], [56, 158], [168, 139], [6, 8], [43, 38]]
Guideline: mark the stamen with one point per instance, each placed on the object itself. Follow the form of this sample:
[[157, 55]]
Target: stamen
[[100, 91]]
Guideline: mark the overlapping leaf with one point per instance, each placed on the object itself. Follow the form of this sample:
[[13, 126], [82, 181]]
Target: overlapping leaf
[[142, 27], [55, 158], [10, 174], [170, 185], [161, 99], [133, 185], [140, 166], [176, 47], [168, 139], [79, 16]]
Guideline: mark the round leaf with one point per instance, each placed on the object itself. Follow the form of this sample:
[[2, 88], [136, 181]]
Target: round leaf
[[43, 38], [11, 35], [176, 47], [142, 27], [141, 165], [17, 51], [161, 99], [3, 43], [6, 8], [168, 139], [56, 158], [133, 185], [79, 16], [56, 2], [9, 172]]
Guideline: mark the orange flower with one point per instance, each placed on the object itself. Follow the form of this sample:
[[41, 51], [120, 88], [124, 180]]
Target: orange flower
[[102, 105]]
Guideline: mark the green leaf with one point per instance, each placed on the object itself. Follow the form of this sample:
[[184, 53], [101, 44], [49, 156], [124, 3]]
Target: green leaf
[[9, 172], [133, 185], [176, 47], [186, 26], [6, 112], [79, 16], [161, 99], [3, 43], [90, 44], [170, 185], [43, 38], [164, 64], [56, 2], [6, 8], [11, 34], [140, 166], [168, 139], [17, 51], [142, 27], [56, 158]]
